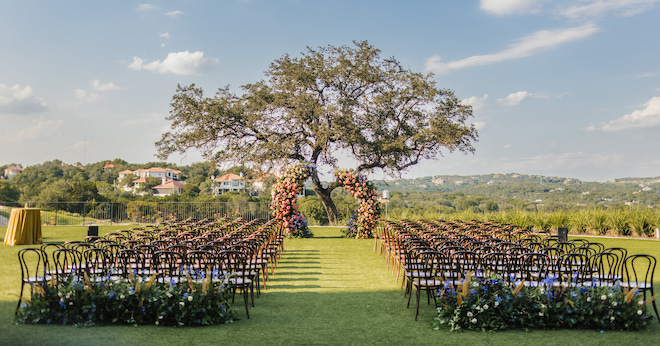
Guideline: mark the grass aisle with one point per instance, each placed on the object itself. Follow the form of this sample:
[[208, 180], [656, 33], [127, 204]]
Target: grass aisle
[[327, 290]]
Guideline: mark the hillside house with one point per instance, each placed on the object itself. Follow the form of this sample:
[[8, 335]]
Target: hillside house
[[227, 183], [169, 188], [12, 171]]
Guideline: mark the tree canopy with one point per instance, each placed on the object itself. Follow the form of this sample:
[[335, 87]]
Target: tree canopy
[[330, 102]]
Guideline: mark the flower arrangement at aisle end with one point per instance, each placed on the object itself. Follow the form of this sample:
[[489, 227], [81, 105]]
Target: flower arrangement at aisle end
[[284, 194], [368, 211]]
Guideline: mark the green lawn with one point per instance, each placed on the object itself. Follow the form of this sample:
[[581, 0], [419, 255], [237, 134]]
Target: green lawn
[[327, 290]]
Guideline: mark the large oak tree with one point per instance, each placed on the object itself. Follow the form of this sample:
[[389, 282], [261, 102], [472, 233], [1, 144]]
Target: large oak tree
[[329, 101]]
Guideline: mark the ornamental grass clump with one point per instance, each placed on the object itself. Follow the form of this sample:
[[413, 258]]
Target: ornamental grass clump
[[495, 303], [140, 300]]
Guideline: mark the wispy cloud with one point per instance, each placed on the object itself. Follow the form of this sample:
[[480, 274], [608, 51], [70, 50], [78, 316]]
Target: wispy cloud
[[146, 7], [507, 7], [479, 125], [41, 129], [514, 99], [19, 100], [526, 46], [181, 63], [642, 118], [596, 8], [85, 96], [97, 85], [174, 14], [165, 35], [476, 102]]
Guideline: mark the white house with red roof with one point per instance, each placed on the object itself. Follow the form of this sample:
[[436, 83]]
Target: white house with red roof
[[12, 171], [166, 175], [229, 182], [169, 188]]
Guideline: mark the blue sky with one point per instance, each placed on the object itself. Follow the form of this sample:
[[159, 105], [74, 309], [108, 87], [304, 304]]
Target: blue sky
[[559, 88]]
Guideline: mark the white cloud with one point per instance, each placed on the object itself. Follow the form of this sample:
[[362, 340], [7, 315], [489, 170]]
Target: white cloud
[[595, 8], [96, 84], [647, 117], [174, 14], [505, 7], [146, 7], [476, 102], [526, 46], [515, 98], [19, 100], [40, 130], [181, 63], [479, 125], [508, 146], [165, 35], [85, 96]]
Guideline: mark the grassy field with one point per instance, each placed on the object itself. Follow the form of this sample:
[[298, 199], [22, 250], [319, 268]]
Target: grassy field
[[327, 290]]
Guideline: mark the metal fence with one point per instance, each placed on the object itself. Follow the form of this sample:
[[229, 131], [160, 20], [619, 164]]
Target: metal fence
[[85, 213]]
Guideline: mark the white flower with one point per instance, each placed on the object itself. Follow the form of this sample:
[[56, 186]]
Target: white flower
[[639, 312], [496, 303], [614, 303], [190, 298], [603, 297], [610, 294], [612, 318], [474, 320], [588, 299], [541, 314], [156, 322], [122, 296], [641, 302], [469, 314], [182, 303], [485, 306]]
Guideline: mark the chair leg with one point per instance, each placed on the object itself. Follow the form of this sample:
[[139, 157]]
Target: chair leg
[[417, 310], [20, 298]]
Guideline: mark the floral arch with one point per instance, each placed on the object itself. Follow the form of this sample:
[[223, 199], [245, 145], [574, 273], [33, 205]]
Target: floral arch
[[289, 185]]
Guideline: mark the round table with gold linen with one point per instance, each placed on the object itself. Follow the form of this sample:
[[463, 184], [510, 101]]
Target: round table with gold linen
[[24, 227]]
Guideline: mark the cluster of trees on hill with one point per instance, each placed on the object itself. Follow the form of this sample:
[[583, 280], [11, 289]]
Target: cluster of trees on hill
[[54, 181]]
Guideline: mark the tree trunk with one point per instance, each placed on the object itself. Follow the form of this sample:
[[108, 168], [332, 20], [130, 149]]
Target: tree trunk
[[328, 203], [324, 194]]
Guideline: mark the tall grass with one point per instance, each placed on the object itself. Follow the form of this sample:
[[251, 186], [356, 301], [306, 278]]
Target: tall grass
[[640, 222]]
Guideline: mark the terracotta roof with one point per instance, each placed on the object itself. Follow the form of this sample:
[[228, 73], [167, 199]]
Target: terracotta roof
[[126, 171], [141, 180], [170, 184], [229, 177], [14, 168]]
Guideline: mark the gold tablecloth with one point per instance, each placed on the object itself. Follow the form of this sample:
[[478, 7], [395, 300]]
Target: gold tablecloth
[[24, 227]]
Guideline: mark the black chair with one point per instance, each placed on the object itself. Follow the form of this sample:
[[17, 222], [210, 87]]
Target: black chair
[[68, 262], [34, 269], [428, 276], [169, 265], [201, 263], [605, 268], [97, 262], [638, 272], [535, 267], [232, 263], [574, 269]]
